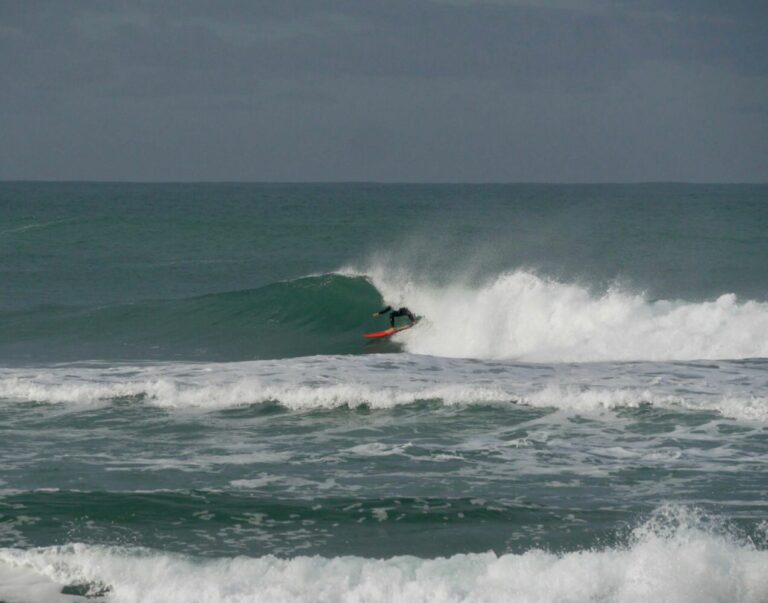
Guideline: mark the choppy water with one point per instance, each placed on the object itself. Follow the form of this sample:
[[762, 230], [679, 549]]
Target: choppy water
[[189, 413]]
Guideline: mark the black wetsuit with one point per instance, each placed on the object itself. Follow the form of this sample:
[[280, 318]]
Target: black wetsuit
[[395, 313]]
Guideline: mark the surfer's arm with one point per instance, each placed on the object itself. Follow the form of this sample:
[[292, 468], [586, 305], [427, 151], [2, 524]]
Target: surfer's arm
[[383, 311]]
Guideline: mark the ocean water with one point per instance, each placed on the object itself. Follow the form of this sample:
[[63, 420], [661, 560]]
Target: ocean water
[[188, 411]]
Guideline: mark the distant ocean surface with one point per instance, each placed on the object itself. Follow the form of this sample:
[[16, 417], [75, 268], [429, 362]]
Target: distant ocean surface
[[188, 410]]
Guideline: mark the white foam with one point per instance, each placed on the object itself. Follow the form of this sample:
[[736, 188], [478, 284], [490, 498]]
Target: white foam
[[585, 400], [673, 557], [19, 584], [386, 381], [522, 316], [247, 391], [291, 483], [38, 388]]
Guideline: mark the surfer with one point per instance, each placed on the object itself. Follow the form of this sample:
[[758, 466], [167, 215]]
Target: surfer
[[395, 313]]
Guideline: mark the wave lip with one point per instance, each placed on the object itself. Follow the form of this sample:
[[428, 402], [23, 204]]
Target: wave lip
[[678, 555]]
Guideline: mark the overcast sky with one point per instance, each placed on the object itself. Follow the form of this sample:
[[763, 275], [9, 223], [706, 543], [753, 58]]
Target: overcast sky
[[386, 90]]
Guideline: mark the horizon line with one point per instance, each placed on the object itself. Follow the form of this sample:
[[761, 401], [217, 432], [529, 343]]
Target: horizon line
[[385, 182]]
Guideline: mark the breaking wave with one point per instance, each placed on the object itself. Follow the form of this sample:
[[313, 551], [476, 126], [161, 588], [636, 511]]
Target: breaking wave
[[384, 381], [523, 316], [515, 316], [679, 555]]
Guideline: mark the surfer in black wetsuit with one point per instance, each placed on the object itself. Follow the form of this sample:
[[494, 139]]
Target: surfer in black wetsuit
[[395, 313]]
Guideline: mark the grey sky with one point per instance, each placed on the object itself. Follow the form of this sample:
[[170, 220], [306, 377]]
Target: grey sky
[[388, 90]]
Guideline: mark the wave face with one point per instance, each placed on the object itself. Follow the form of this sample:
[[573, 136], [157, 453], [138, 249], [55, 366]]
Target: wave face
[[675, 556], [312, 315]]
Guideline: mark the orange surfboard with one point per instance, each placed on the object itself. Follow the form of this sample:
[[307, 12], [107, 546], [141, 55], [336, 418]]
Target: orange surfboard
[[387, 333]]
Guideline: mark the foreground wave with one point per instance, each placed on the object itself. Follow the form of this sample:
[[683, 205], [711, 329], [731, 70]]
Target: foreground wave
[[677, 555]]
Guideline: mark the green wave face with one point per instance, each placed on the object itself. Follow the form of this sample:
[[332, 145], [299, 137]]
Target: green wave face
[[324, 314]]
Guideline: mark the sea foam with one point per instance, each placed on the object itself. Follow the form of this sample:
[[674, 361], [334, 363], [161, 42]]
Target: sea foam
[[675, 556], [523, 316]]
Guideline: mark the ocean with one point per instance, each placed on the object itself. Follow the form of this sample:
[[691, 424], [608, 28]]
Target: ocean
[[189, 411]]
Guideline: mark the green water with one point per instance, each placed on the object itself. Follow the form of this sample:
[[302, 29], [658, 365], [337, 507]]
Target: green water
[[184, 386]]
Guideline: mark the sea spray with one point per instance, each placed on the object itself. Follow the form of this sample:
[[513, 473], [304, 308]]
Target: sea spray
[[524, 316]]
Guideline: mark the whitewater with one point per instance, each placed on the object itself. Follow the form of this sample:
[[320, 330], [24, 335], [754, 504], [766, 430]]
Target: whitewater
[[189, 412], [566, 322], [669, 558], [326, 382]]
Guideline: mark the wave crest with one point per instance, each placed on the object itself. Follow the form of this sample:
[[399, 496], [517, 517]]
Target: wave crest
[[520, 315]]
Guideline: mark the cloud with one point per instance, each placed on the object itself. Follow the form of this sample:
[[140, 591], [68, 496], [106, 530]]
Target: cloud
[[233, 44]]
